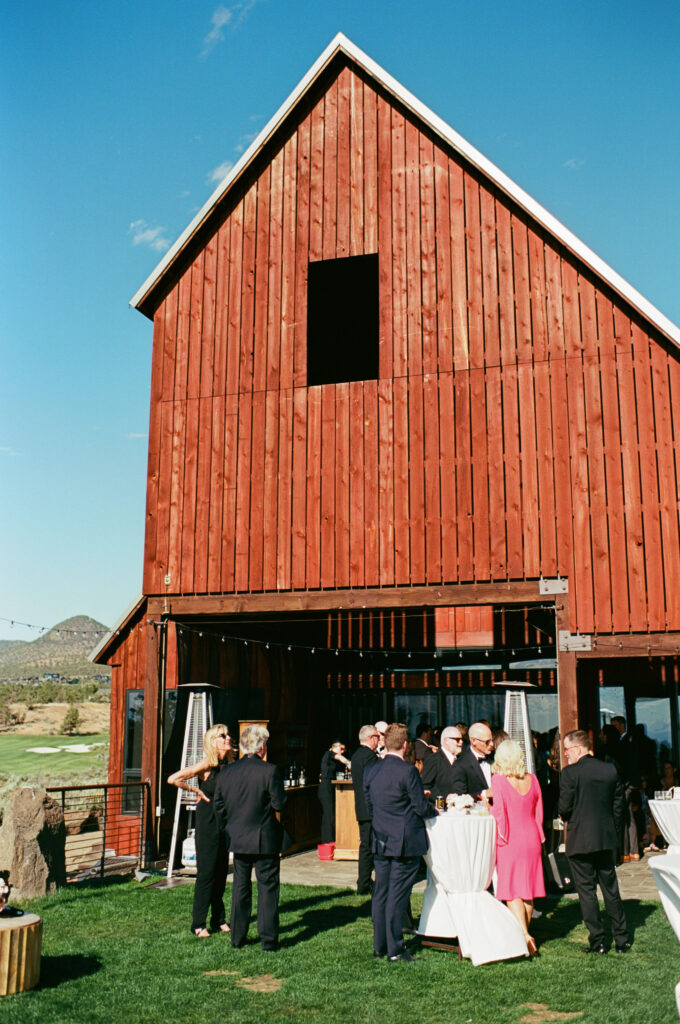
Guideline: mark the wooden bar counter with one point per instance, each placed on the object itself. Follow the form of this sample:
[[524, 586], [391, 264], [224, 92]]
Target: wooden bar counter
[[346, 825], [301, 817]]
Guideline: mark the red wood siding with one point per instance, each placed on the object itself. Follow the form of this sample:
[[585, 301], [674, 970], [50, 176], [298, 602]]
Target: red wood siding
[[522, 424]]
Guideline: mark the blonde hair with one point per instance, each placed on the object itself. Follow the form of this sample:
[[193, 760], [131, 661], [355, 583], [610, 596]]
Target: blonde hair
[[510, 760], [209, 743]]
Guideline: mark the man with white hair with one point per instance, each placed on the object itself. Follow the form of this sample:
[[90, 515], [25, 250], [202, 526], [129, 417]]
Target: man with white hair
[[361, 758], [437, 775], [472, 771], [247, 795]]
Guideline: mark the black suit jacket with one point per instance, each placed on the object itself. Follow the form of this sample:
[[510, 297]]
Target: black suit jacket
[[593, 805], [467, 776], [438, 776], [247, 794], [361, 758], [398, 808]]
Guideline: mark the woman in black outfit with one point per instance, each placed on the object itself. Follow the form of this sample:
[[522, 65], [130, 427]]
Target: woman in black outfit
[[329, 765], [212, 853]]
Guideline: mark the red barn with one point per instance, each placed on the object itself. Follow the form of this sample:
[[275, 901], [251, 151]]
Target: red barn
[[409, 438]]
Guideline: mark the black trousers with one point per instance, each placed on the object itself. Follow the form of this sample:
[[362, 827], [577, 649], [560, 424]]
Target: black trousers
[[365, 858], [590, 870], [212, 863], [394, 878], [267, 870], [327, 800]]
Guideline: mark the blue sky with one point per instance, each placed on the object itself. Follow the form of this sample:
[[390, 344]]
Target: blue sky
[[117, 120]]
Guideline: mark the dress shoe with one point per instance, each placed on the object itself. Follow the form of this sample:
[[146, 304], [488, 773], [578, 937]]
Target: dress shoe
[[270, 948], [623, 948], [379, 956], [594, 949], [404, 958]]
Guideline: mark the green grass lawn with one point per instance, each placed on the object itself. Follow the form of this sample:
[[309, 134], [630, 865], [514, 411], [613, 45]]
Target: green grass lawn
[[15, 759], [124, 953]]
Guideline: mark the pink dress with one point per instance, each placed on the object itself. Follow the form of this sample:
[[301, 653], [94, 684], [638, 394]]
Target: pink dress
[[519, 834]]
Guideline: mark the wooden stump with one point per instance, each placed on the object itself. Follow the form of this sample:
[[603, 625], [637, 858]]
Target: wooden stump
[[20, 942]]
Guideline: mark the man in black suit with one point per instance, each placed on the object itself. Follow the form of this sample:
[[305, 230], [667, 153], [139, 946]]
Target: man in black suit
[[247, 794], [592, 803], [472, 771], [363, 756], [437, 775], [422, 747], [397, 805]]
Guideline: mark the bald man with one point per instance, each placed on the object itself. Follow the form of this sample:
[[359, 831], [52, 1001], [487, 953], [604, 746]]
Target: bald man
[[471, 773]]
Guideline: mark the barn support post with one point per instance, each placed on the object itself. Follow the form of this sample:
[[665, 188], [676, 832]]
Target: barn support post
[[567, 689], [151, 729]]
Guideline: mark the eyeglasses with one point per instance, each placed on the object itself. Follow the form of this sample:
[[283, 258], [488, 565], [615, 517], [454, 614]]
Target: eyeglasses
[[487, 743]]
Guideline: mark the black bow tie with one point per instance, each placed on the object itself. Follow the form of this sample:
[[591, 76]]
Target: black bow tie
[[486, 760]]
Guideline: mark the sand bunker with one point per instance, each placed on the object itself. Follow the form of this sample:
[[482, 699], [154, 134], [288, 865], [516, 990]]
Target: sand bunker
[[76, 748]]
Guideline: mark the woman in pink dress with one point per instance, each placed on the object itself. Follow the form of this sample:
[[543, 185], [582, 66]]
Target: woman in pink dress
[[518, 810]]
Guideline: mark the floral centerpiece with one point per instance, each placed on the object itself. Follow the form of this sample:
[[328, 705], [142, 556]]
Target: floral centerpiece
[[459, 803]]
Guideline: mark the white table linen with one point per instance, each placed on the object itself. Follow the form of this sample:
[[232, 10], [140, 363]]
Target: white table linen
[[666, 872], [667, 816], [460, 862]]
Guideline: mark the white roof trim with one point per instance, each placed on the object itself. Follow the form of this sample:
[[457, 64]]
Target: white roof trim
[[522, 198], [115, 629]]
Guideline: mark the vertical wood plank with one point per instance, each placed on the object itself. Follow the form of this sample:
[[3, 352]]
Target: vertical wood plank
[[668, 500], [370, 144], [432, 490], [313, 488], [256, 473], [216, 494], [248, 290], [343, 196], [330, 173], [428, 256], [414, 298], [242, 538], [630, 473], [299, 488], [384, 232], [461, 346], [285, 485], [371, 485], [294, 258], [386, 471], [416, 480], [596, 471], [444, 321], [399, 252], [356, 166], [328, 485], [609, 386], [401, 482], [447, 459], [342, 487], [357, 519], [527, 410]]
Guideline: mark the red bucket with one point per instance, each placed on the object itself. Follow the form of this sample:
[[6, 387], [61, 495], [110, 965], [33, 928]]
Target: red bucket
[[326, 851]]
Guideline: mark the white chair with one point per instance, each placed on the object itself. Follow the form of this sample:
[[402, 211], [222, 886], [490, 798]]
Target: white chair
[[666, 871]]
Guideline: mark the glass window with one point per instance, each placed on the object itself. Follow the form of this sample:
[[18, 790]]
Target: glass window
[[342, 320], [132, 750], [415, 708]]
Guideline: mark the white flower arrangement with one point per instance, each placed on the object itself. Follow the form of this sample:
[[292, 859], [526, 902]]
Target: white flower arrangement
[[460, 803]]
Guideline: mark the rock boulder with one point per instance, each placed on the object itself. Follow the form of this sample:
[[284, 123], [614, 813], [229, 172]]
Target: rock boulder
[[32, 843]]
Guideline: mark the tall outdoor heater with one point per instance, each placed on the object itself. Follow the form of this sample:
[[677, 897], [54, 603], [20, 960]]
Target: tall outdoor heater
[[199, 719]]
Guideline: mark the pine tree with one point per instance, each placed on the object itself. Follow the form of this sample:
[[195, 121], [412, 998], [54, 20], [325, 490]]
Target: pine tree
[[71, 722]]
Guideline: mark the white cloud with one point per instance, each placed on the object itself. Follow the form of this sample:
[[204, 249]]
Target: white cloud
[[134, 437], [219, 173], [143, 234], [221, 17], [8, 450], [573, 164]]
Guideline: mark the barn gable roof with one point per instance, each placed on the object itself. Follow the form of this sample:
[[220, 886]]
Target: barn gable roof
[[146, 300]]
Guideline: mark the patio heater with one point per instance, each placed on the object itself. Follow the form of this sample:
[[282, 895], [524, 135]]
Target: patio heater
[[199, 719]]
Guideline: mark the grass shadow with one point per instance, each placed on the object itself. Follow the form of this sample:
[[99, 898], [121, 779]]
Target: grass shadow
[[55, 970], [315, 922], [288, 906], [566, 916]]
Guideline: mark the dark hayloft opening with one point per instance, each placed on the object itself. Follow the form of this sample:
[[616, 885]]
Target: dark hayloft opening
[[342, 320]]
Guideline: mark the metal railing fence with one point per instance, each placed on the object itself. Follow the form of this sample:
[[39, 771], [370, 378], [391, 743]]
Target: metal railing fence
[[105, 828]]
